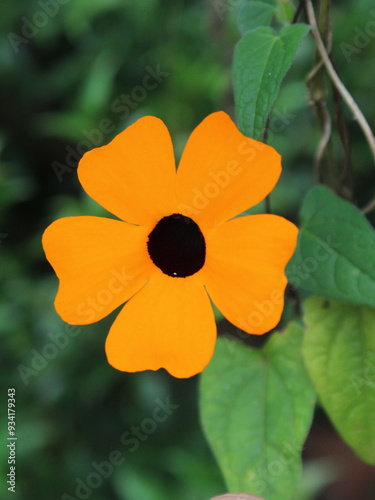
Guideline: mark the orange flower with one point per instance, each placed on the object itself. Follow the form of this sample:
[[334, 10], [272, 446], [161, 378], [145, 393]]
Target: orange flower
[[179, 246]]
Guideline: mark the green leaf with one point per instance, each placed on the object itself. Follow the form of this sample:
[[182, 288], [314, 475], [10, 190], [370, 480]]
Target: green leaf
[[261, 60], [335, 252], [285, 11], [256, 409], [339, 351], [253, 14]]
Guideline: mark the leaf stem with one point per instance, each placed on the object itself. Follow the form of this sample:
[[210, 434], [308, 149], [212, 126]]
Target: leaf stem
[[264, 139]]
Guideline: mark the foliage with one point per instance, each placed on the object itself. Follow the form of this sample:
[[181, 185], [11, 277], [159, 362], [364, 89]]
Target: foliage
[[257, 407], [73, 75]]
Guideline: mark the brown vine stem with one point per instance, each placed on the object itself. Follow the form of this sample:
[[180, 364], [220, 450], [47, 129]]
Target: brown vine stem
[[336, 80], [369, 208], [318, 93]]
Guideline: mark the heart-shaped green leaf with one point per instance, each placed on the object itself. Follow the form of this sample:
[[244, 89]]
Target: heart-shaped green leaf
[[256, 409], [335, 255], [261, 59], [339, 351]]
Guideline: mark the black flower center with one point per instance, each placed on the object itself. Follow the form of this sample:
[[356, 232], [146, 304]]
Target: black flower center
[[176, 245]]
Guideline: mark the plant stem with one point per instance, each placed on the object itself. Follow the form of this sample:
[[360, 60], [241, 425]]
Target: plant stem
[[318, 94], [264, 139], [336, 80], [369, 208]]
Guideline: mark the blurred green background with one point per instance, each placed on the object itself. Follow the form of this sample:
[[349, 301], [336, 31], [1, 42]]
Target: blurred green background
[[72, 76]]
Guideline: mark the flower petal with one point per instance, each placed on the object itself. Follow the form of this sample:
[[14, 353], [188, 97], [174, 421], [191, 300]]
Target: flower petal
[[244, 269], [222, 172], [134, 175], [100, 262], [168, 324]]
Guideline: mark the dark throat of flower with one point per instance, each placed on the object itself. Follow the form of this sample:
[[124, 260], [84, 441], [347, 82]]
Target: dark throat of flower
[[176, 246]]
